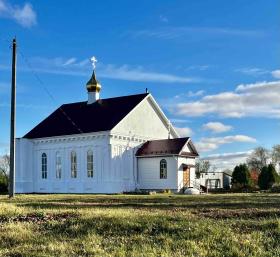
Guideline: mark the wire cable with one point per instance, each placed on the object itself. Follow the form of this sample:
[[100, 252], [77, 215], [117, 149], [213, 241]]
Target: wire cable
[[42, 84]]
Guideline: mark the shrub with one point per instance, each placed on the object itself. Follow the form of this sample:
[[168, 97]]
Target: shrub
[[268, 177], [254, 175], [3, 183]]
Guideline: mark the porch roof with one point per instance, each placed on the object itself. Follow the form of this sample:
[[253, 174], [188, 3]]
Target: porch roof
[[167, 147]]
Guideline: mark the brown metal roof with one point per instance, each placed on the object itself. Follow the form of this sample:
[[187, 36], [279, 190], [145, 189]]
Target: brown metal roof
[[166, 147]]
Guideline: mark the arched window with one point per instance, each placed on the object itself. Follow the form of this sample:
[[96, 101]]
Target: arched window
[[44, 166], [163, 169], [58, 165], [89, 164], [73, 164]]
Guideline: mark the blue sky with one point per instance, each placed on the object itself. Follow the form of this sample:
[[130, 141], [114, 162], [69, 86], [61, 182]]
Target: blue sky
[[213, 66]]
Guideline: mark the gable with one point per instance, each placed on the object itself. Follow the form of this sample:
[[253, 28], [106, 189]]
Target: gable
[[189, 148], [146, 120]]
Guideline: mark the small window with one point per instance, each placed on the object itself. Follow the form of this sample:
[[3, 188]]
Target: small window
[[163, 169], [90, 164], [44, 166], [73, 164], [58, 165]]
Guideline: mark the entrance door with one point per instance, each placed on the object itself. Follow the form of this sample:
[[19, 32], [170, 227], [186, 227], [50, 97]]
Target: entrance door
[[186, 176]]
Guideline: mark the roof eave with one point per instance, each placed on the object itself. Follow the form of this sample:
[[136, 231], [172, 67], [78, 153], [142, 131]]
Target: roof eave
[[163, 154]]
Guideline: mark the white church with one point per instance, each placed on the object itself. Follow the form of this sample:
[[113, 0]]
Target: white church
[[112, 145]]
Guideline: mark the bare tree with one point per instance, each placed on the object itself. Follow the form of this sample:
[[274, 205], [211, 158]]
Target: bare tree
[[202, 166], [275, 155], [258, 158], [5, 165]]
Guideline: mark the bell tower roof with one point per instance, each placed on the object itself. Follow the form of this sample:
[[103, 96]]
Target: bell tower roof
[[93, 84]]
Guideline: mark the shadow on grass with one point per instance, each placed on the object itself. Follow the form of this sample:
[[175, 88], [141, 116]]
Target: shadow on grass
[[154, 205], [108, 227]]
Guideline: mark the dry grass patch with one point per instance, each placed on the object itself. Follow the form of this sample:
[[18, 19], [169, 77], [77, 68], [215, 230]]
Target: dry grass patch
[[121, 225]]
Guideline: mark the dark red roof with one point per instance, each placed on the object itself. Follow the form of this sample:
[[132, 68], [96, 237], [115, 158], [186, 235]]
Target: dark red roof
[[77, 118], [166, 147]]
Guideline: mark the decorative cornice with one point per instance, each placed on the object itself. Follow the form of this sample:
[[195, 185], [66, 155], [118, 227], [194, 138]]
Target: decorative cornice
[[70, 138], [88, 137]]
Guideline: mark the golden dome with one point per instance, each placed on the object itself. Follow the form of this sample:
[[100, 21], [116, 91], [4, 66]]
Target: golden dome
[[93, 85]]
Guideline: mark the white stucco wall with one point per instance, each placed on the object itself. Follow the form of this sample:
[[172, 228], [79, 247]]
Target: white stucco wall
[[113, 158], [101, 181], [123, 160], [149, 173], [24, 166]]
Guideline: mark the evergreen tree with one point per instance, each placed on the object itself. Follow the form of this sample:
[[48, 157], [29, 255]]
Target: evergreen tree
[[241, 176], [268, 177]]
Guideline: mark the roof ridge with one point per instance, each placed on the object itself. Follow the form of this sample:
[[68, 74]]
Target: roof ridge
[[177, 138], [117, 97]]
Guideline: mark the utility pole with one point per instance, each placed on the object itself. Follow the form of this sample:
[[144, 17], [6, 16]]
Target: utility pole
[[13, 123]]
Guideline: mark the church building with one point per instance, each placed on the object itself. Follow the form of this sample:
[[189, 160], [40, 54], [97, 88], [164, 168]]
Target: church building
[[111, 145]]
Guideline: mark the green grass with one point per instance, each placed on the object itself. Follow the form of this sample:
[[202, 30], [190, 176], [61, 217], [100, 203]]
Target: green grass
[[130, 225]]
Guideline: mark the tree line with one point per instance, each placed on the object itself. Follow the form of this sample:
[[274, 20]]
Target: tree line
[[259, 171]]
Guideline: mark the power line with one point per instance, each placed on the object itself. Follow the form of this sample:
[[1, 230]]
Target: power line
[[35, 74], [43, 85]]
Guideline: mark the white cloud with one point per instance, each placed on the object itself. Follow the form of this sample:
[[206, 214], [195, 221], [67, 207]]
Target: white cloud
[[74, 67], [180, 32], [276, 74], [259, 72], [248, 100], [126, 72], [197, 93], [184, 132], [253, 71], [25, 15], [207, 144], [227, 160], [216, 127], [3, 6], [190, 94], [83, 63], [70, 61], [198, 67]]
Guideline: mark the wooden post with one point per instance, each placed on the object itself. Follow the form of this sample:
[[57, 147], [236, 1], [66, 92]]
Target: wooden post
[[13, 123]]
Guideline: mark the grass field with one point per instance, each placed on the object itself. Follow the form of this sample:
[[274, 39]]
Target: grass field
[[129, 225]]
